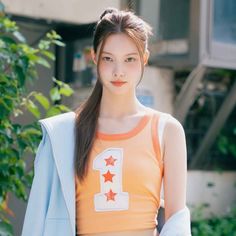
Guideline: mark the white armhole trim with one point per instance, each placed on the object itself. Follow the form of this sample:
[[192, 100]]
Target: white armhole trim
[[161, 126]]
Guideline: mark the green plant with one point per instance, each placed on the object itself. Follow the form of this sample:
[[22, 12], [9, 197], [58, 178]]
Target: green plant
[[215, 226], [226, 143], [18, 63]]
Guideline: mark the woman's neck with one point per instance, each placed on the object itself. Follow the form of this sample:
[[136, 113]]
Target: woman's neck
[[120, 106]]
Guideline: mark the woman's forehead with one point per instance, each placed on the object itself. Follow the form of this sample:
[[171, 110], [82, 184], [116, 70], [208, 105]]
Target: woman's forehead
[[119, 44]]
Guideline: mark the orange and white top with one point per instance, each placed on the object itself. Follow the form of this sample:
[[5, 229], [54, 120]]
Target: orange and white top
[[122, 189]]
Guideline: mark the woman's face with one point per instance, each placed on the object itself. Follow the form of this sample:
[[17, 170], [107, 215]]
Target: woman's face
[[120, 65]]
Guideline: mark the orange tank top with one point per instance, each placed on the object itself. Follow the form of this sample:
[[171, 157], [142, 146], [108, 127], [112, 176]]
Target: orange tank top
[[121, 191]]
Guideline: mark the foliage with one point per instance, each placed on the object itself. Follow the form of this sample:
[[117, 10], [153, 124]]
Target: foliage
[[211, 94], [18, 62], [226, 143], [215, 226]]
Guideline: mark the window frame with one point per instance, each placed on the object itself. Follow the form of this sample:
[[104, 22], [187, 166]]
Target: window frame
[[214, 54]]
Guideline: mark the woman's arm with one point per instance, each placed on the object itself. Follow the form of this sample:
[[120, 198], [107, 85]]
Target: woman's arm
[[175, 167]]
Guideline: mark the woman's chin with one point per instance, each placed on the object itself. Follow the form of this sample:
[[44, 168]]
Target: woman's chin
[[117, 91]]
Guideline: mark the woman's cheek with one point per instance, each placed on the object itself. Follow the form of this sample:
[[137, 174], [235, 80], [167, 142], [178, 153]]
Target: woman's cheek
[[134, 69], [105, 71]]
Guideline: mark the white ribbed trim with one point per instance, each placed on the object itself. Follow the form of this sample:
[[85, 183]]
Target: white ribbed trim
[[161, 126]]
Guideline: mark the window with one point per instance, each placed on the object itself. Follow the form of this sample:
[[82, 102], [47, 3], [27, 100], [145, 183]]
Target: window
[[221, 37], [224, 21]]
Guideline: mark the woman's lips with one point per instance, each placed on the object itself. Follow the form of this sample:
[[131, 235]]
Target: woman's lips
[[118, 83]]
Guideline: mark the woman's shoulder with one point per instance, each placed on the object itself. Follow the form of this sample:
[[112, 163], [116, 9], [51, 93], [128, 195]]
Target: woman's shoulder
[[161, 114], [170, 122]]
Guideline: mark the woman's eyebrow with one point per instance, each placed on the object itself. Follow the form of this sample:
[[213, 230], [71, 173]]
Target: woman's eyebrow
[[131, 53]]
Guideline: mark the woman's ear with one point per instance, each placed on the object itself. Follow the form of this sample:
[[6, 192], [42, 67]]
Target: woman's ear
[[146, 57], [93, 55]]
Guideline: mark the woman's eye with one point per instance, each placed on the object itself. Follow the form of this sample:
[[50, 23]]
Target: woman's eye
[[130, 59], [107, 59]]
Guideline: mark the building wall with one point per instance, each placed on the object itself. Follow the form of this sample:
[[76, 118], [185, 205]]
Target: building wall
[[74, 11], [216, 190], [158, 83]]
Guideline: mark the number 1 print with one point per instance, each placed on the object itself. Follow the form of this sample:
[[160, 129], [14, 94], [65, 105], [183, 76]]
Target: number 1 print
[[111, 197]]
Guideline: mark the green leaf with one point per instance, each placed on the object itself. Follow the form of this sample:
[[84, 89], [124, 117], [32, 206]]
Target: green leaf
[[43, 62], [53, 111], [4, 79], [222, 144], [66, 91], [16, 112], [33, 109], [20, 75], [27, 49], [53, 35], [30, 131], [44, 45], [6, 229], [234, 131], [42, 100], [24, 63], [58, 82], [4, 106], [2, 43], [59, 43], [63, 108], [232, 148], [10, 25], [19, 36], [54, 94], [7, 40], [48, 54]]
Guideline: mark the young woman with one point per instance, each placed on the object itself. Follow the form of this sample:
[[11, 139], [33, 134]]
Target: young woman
[[110, 184]]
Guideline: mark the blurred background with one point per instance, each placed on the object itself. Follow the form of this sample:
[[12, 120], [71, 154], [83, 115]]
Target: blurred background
[[191, 74]]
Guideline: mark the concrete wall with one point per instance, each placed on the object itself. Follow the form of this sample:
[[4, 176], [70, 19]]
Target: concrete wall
[[74, 11], [158, 82], [217, 190]]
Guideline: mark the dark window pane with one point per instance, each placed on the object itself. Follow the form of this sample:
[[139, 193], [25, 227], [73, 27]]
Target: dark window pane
[[174, 19], [224, 29]]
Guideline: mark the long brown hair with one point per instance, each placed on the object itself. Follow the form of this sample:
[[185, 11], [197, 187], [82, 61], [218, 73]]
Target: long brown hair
[[112, 21]]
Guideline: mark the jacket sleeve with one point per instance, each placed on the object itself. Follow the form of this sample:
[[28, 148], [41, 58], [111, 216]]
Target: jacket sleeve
[[178, 224], [39, 196]]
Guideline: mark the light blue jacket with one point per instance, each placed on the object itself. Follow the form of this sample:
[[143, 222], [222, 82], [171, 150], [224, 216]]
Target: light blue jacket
[[51, 205]]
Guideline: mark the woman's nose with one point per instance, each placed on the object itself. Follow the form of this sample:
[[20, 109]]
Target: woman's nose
[[118, 72]]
